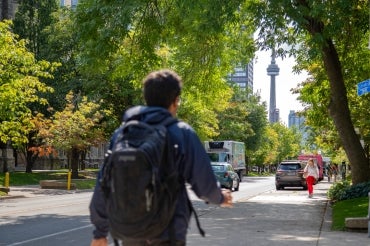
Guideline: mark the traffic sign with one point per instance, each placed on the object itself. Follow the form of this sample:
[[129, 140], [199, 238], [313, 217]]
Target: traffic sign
[[363, 87]]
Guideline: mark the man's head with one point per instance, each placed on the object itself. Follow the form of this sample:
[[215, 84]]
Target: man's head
[[162, 89]]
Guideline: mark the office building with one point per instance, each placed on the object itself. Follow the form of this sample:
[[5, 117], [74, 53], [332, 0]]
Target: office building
[[70, 3], [295, 120], [8, 8], [243, 76]]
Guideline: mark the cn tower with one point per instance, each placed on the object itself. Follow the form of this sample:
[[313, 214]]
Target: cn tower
[[273, 71]]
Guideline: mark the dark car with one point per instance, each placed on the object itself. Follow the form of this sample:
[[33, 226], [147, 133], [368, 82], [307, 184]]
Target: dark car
[[226, 175], [290, 174]]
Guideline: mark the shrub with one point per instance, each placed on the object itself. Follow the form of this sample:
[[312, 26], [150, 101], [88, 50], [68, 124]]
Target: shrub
[[344, 191], [338, 190]]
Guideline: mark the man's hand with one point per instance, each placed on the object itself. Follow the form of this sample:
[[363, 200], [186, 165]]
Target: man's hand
[[228, 199], [99, 242]]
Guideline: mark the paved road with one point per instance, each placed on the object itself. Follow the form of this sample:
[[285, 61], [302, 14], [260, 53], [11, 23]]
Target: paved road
[[260, 216]]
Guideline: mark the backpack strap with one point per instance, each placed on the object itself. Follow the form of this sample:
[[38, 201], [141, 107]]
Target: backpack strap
[[192, 210], [167, 122], [116, 242]]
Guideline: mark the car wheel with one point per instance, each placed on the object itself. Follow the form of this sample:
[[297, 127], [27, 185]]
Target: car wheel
[[231, 185], [237, 186], [278, 187], [304, 187]]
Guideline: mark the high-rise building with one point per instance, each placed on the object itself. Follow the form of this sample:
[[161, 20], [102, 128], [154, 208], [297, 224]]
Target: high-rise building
[[243, 76], [273, 71], [295, 120], [8, 8], [70, 3]]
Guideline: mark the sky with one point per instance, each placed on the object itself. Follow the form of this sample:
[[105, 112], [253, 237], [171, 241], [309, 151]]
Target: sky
[[285, 100]]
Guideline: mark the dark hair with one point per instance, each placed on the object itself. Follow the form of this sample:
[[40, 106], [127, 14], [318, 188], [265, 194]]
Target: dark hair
[[161, 88]]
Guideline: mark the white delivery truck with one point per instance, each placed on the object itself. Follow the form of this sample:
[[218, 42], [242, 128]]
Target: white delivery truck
[[229, 151]]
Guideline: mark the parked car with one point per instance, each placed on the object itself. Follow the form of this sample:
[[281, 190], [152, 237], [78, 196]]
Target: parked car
[[226, 175], [290, 174]]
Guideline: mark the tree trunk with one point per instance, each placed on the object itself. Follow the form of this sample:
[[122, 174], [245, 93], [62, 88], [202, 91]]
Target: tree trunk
[[74, 162], [4, 157], [338, 106], [5, 160], [30, 160], [82, 160], [31, 156], [339, 111]]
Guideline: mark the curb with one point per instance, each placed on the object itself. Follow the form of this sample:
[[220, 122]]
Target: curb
[[327, 219], [11, 197]]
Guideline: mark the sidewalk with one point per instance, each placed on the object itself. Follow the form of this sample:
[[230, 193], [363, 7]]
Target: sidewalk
[[338, 238], [35, 190], [275, 218]]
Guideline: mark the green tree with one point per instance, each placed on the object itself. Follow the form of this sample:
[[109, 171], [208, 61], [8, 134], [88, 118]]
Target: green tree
[[61, 47], [233, 121], [257, 118], [19, 87], [31, 21], [325, 33], [31, 18], [200, 40], [279, 143], [244, 120], [268, 152], [74, 130]]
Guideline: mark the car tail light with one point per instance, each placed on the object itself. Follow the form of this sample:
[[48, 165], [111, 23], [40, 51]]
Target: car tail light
[[279, 172]]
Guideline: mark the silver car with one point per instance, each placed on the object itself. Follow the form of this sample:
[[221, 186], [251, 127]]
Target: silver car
[[290, 174]]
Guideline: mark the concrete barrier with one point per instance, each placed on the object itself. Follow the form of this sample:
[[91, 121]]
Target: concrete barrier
[[359, 223], [55, 184]]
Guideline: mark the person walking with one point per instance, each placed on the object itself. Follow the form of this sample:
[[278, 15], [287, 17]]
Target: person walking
[[312, 173], [343, 170], [161, 92], [335, 172], [329, 172]]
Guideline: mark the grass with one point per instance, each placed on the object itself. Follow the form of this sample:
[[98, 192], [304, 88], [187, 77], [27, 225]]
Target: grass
[[357, 207], [86, 179], [256, 174]]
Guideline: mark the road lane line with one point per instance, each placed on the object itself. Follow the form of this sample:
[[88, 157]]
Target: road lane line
[[50, 235]]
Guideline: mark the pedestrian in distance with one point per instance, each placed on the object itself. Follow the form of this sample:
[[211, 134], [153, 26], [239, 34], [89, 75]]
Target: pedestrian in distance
[[161, 91], [329, 172], [335, 172], [343, 170], [311, 172]]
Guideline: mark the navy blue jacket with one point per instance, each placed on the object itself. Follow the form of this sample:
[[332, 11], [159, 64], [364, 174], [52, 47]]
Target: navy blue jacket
[[192, 160]]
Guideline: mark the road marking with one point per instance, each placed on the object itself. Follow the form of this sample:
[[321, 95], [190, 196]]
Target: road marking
[[50, 235]]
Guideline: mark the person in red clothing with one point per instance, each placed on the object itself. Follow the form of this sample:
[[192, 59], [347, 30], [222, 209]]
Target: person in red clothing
[[312, 175]]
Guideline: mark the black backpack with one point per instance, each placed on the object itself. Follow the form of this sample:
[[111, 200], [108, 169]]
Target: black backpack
[[140, 180]]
